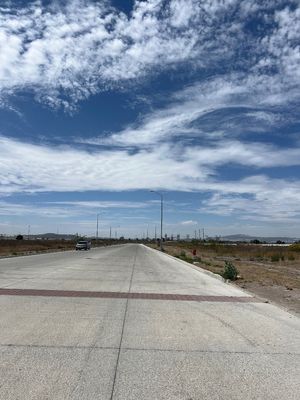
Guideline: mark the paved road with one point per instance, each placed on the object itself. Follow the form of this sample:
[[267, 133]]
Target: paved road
[[126, 322]]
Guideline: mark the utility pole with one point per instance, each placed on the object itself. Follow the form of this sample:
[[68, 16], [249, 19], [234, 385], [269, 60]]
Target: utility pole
[[97, 231], [28, 232], [110, 232], [161, 216], [203, 233], [155, 234]]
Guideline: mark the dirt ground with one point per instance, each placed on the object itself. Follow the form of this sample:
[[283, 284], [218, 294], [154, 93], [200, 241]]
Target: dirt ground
[[13, 247], [272, 273], [27, 247]]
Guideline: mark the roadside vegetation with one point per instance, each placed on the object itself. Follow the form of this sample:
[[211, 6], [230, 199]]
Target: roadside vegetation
[[272, 272], [19, 247]]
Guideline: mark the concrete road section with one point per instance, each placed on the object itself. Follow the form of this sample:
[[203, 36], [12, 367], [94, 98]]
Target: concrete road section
[[127, 322]]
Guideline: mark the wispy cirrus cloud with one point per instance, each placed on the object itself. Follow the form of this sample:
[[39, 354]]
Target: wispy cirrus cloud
[[244, 58], [66, 209], [33, 168], [262, 206], [65, 53], [228, 106], [102, 204], [83, 47]]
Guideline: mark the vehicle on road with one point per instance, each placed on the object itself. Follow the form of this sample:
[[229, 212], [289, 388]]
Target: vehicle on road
[[83, 245]]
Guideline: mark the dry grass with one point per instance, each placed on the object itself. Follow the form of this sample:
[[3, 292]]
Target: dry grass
[[272, 272], [22, 247], [25, 247]]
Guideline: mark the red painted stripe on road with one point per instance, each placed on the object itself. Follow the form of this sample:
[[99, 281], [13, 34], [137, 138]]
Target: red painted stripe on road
[[124, 295]]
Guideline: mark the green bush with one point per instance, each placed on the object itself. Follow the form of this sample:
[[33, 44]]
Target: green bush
[[275, 257], [230, 271], [182, 253], [295, 247]]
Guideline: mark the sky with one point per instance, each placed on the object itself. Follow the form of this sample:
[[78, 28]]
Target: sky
[[103, 101]]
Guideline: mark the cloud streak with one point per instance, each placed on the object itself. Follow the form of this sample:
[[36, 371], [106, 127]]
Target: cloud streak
[[32, 168], [65, 53], [246, 83]]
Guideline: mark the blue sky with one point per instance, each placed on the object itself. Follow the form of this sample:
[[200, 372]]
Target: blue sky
[[103, 101]]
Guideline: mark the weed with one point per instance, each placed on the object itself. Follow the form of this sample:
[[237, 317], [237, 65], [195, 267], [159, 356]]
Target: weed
[[295, 247], [275, 257], [230, 271], [259, 257]]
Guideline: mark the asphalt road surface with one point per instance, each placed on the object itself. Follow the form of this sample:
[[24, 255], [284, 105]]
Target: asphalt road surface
[[127, 322]]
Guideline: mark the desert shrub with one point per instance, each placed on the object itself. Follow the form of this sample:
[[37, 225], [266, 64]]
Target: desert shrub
[[275, 257], [182, 253], [295, 247], [230, 271], [291, 257]]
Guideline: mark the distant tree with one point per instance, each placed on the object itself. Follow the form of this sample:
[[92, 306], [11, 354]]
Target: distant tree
[[19, 237], [255, 241], [280, 242]]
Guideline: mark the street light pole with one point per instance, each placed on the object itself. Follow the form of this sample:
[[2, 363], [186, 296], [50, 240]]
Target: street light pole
[[97, 227], [161, 216]]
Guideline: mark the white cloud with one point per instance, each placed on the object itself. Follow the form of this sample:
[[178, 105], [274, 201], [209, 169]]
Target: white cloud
[[66, 209], [283, 49], [32, 168], [227, 106], [84, 46], [189, 223], [256, 198], [258, 155], [36, 168], [103, 204], [65, 53]]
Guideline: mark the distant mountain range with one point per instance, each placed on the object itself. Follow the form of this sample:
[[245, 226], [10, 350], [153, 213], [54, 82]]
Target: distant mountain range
[[52, 236], [248, 238]]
